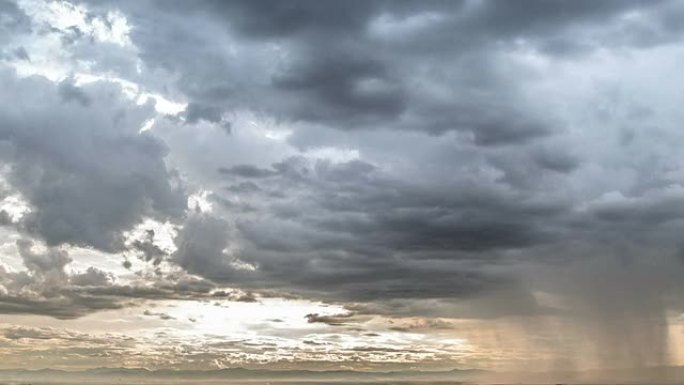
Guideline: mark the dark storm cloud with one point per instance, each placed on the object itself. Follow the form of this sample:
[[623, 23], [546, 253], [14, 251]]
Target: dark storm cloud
[[82, 166], [340, 87], [244, 187], [366, 64], [474, 154], [265, 19], [556, 161], [378, 280], [195, 112], [348, 232], [645, 211], [301, 18], [409, 216], [201, 244], [70, 92], [247, 171]]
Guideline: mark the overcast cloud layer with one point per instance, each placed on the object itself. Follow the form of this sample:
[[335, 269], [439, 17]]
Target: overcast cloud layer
[[459, 159]]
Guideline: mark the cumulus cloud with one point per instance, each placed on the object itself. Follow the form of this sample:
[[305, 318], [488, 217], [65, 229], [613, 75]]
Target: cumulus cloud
[[41, 289], [46, 287], [83, 167], [201, 244]]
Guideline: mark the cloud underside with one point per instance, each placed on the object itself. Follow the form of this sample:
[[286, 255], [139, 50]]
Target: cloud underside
[[432, 156]]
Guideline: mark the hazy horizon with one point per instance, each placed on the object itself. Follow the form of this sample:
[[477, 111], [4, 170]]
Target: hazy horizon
[[359, 185]]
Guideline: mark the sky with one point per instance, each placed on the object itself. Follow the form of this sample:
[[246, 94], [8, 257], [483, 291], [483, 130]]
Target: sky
[[366, 185]]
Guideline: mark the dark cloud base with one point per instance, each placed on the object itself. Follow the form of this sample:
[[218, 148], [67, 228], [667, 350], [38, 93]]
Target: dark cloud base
[[470, 171]]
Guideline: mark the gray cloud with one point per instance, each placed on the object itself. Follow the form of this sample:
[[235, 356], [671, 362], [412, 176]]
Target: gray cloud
[[70, 92], [341, 88], [200, 246], [333, 320], [150, 251], [51, 263], [92, 277], [348, 232], [247, 171], [435, 67], [348, 75], [400, 158], [195, 112], [40, 290], [84, 294], [86, 185], [161, 315], [12, 20], [47, 288]]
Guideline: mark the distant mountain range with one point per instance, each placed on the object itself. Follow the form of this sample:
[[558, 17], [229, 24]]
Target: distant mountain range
[[650, 375], [229, 374]]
